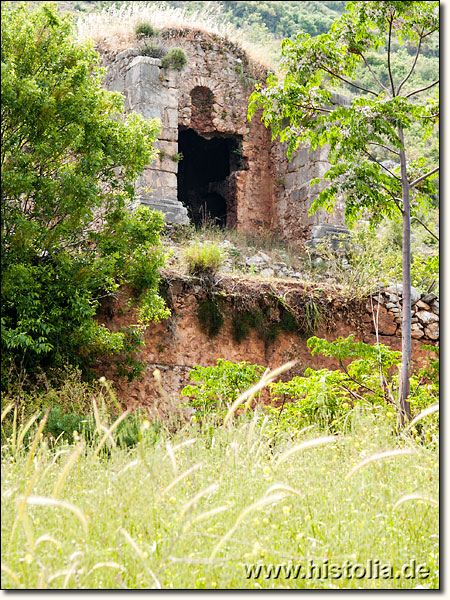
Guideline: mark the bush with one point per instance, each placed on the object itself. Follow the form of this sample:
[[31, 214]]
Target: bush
[[145, 30], [176, 59], [203, 259], [68, 238], [153, 51], [370, 379], [221, 384]]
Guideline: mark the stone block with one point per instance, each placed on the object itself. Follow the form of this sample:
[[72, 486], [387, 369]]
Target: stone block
[[416, 331], [299, 159], [170, 134], [426, 317], [432, 331], [299, 195], [170, 118], [290, 180], [174, 211], [428, 298], [421, 305]]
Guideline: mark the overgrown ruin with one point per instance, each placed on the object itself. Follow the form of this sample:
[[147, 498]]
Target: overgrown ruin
[[213, 163]]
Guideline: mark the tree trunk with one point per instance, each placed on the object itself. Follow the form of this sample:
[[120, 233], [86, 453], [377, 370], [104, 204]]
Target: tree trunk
[[404, 390]]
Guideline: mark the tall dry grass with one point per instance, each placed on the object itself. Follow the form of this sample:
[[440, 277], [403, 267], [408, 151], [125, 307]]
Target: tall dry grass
[[190, 510], [115, 27]]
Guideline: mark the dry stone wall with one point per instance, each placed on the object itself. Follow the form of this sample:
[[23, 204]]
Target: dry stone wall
[[425, 313]]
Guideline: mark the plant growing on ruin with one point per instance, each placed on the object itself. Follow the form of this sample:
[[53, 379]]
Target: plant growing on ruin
[[69, 160], [203, 259], [372, 126], [175, 59], [153, 51], [145, 30]]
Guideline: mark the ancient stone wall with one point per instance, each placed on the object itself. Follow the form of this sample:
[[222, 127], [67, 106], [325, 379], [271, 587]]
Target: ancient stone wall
[[153, 92], [176, 345], [210, 97]]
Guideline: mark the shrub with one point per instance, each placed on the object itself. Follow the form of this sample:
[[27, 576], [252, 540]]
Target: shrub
[[203, 259], [69, 159], [145, 30], [153, 51], [176, 59], [370, 379], [220, 384]]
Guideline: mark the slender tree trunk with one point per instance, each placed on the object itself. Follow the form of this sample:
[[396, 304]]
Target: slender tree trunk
[[406, 300]]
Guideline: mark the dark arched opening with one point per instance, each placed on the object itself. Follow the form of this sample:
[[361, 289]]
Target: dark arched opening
[[204, 185]]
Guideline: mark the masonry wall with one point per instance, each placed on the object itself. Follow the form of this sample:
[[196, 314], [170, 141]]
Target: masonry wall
[[268, 190]]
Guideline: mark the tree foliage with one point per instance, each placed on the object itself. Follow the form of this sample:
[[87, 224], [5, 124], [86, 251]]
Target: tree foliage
[[300, 106], [69, 159]]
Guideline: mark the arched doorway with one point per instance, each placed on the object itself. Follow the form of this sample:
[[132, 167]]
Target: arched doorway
[[203, 176]]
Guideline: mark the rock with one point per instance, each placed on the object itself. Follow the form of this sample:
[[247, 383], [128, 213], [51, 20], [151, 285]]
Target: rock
[[398, 290], [421, 305], [426, 317], [325, 230], [393, 297], [432, 331], [428, 298], [254, 260], [435, 306], [268, 272], [392, 305], [386, 324], [416, 331], [264, 257]]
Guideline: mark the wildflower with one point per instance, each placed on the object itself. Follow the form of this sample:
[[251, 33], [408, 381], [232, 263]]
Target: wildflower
[[286, 510], [102, 380], [145, 425]]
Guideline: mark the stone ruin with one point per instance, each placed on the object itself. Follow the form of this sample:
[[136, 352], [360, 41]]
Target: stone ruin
[[213, 163]]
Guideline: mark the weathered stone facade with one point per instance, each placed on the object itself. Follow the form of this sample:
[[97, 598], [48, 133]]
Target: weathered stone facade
[[230, 170]]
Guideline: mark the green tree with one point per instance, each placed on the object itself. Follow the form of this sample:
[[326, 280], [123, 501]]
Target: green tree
[[300, 107], [69, 158]]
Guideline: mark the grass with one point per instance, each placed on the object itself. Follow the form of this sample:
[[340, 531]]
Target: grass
[[116, 27], [203, 259], [191, 509]]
